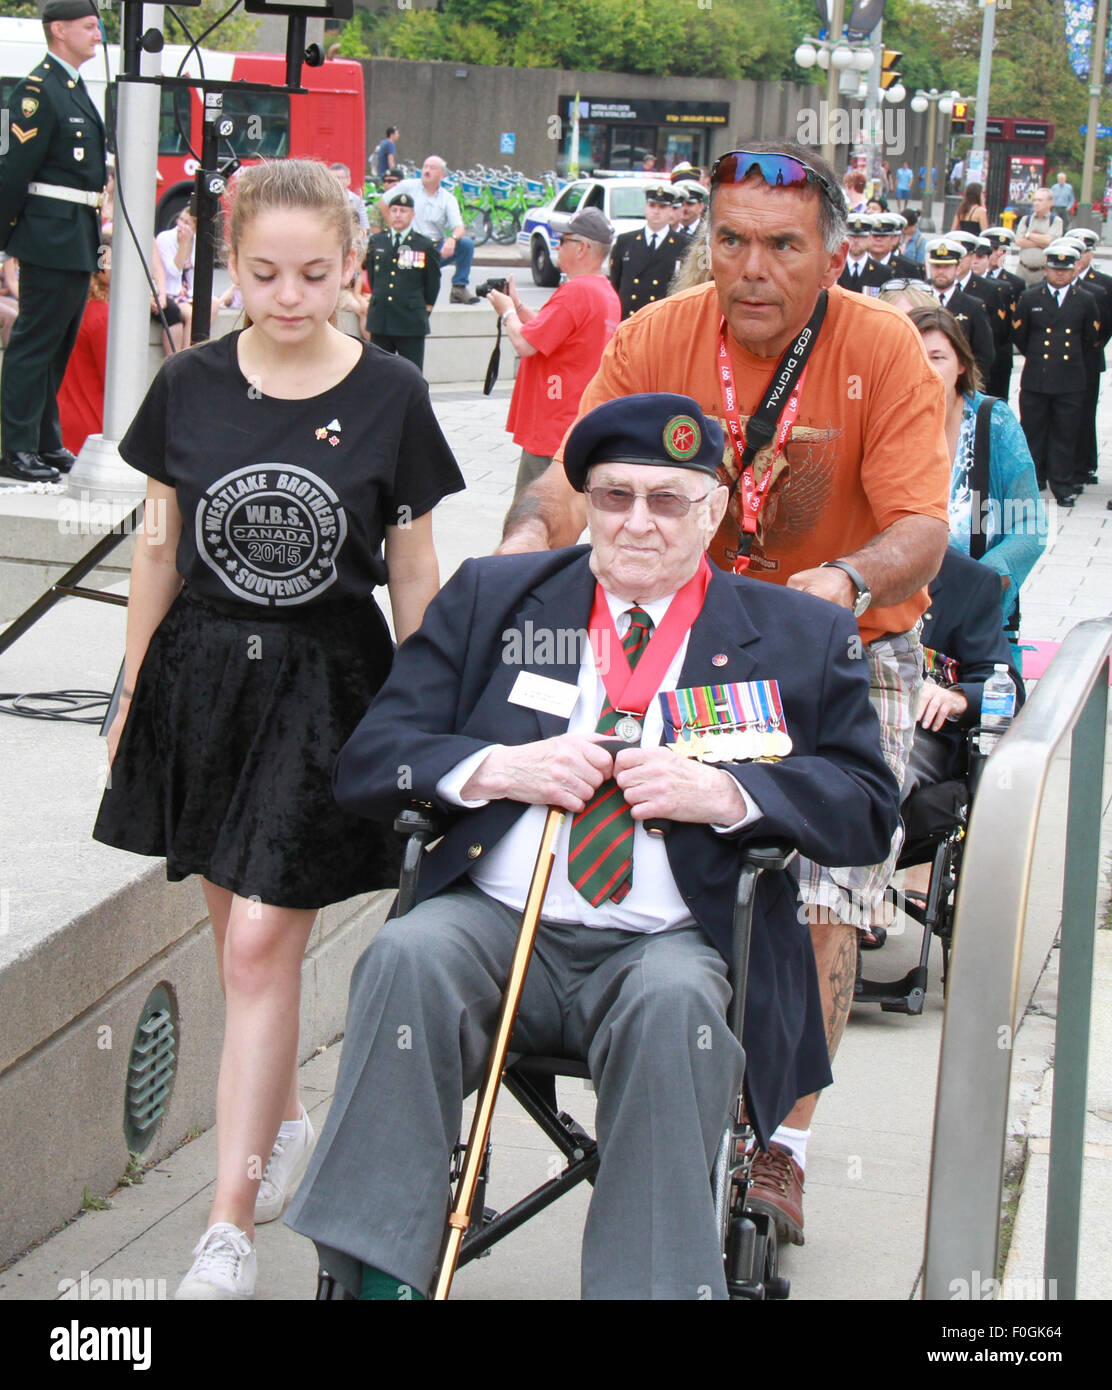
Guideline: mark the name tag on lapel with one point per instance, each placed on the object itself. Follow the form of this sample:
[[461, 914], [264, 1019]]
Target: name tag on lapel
[[533, 691]]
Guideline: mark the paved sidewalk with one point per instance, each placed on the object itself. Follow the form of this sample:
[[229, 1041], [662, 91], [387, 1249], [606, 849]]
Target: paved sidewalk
[[869, 1154]]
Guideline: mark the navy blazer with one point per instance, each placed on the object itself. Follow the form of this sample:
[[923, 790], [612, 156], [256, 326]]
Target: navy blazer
[[963, 622], [833, 797]]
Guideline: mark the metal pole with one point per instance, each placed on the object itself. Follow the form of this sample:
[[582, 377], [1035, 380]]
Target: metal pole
[[928, 191], [1075, 990], [207, 190], [1096, 88], [129, 312], [834, 34], [943, 153], [874, 104], [977, 163]]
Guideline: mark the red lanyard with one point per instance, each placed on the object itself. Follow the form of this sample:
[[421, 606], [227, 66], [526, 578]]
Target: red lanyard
[[771, 421], [631, 692], [753, 494]]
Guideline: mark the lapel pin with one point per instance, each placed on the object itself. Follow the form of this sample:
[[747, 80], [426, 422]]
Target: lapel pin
[[719, 660]]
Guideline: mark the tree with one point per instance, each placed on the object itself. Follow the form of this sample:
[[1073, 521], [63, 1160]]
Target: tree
[[691, 38]]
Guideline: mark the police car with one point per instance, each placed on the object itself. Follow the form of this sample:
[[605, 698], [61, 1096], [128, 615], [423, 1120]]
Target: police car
[[620, 198]]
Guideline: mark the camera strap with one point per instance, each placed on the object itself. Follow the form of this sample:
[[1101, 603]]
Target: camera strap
[[779, 406], [495, 362]]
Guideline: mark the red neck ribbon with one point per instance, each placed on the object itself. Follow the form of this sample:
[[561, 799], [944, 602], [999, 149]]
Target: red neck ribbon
[[631, 692]]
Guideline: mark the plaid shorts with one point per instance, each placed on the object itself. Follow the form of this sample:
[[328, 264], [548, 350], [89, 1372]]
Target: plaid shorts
[[895, 679]]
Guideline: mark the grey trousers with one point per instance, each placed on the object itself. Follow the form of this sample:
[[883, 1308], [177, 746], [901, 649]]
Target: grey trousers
[[648, 1012]]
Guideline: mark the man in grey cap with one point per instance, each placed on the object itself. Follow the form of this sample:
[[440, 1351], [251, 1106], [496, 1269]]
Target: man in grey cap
[[51, 185], [560, 345]]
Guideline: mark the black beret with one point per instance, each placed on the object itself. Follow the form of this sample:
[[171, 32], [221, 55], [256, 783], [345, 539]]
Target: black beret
[[659, 429], [68, 9], [400, 200]]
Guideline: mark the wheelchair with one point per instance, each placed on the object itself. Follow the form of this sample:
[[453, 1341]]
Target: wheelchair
[[749, 1239], [934, 819]]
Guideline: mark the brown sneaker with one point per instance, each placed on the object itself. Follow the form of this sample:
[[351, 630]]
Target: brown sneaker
[[777, 1191], [461, 294]]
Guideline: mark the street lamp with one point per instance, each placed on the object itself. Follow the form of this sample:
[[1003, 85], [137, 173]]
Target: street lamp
[[845, 61], [939, 104]]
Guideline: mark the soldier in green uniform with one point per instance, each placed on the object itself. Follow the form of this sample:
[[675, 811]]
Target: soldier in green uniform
[[51, 184], [403, 268]]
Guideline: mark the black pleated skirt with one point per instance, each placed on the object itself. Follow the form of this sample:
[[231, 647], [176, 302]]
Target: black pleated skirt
[[225, 763]]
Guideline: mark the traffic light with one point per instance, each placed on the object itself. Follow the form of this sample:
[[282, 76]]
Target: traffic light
[[961, 109], [889, 75]]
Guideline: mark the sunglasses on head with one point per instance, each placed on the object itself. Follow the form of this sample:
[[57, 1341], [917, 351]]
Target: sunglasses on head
[[897, 286], [777, 170]]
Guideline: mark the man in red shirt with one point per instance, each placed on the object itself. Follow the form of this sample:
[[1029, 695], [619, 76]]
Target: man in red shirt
[[560, 345]]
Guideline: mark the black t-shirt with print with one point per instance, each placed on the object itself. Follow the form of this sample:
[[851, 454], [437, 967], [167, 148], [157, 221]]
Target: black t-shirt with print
[[286, 502]]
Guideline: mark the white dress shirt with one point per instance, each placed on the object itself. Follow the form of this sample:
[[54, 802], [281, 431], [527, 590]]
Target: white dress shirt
[[654, 902]]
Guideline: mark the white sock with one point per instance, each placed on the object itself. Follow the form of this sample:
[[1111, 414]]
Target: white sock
[[288, 1129], [795, 1140]]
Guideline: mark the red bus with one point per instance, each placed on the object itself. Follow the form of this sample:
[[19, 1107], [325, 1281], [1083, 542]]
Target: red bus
[[327, 122]]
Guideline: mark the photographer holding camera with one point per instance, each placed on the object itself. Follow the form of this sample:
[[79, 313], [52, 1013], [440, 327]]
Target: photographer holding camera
[[560, 345]]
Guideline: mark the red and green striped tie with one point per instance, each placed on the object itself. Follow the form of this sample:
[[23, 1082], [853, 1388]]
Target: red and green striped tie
[[600, 846]]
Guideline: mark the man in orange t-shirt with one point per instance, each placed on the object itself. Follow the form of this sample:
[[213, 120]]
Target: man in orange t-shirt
[[856, 508]]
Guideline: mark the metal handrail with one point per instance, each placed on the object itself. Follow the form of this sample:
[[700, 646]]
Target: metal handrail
[[971, 1105]]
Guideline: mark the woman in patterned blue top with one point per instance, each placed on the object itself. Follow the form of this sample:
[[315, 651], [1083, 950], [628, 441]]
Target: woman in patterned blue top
[[1011, 518]]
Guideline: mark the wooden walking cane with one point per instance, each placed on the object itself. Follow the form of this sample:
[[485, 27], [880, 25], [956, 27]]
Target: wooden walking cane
[[460, 1216]]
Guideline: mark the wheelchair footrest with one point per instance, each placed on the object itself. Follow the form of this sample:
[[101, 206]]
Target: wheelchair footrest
[[904, 996]]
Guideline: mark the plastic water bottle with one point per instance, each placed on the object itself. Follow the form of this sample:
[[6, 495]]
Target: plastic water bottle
[[997, 708]]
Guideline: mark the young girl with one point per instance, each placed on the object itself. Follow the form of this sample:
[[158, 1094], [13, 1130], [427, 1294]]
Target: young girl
[[280, 459]]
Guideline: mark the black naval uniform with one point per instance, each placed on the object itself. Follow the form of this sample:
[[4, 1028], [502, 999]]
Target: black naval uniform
[[998, 302], [1099, 285], [640, 275], [973, 317], [404, 279], [1054, 340], [1008, 288], [870, 276], [56, 142], [900, 267]]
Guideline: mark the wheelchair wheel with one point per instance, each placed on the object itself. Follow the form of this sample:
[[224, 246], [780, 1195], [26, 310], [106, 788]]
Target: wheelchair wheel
[[750, 1249]]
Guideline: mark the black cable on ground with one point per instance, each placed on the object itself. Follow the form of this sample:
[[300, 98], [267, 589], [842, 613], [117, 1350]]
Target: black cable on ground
[[66, 706]]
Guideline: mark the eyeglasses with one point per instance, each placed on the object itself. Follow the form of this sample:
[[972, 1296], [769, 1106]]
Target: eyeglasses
[[896, 286], [621, 499], [568, 240], [778, 170]]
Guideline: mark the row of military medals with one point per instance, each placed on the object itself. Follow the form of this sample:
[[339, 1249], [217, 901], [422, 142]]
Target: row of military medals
[[728, 723]]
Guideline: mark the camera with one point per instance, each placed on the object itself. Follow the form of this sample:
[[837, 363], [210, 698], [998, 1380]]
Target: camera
[[502, 286]]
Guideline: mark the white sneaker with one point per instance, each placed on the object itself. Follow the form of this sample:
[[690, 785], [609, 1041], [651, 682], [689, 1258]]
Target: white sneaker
[[284, 1170], [224, 1266]]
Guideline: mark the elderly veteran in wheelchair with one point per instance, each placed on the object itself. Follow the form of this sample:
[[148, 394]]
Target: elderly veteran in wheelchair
[[745, 712]]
